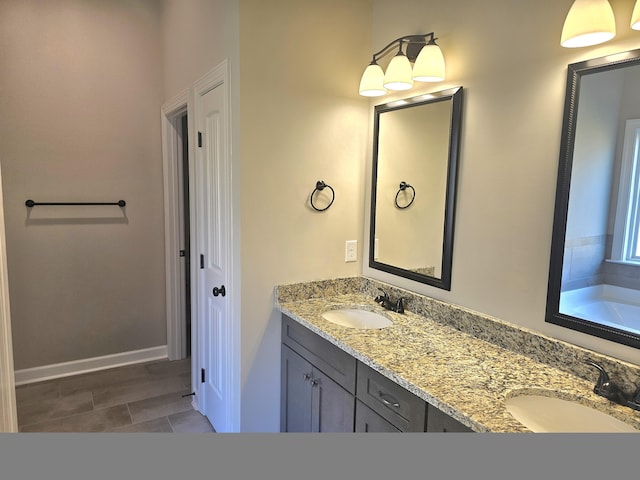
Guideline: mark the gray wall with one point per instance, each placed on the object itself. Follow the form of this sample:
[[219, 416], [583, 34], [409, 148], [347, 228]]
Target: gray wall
[[81, 93]]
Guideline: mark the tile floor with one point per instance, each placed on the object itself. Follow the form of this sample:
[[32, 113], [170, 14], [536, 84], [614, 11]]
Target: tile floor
[[144, 397]]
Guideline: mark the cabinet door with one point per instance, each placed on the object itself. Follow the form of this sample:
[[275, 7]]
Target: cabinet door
[[311, 401], [296, 391], [438, 421], [369, 421], [333, 406]]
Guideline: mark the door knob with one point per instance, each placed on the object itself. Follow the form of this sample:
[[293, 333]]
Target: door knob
[[219, 291]]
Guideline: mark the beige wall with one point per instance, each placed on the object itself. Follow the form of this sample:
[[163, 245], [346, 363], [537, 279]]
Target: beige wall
[[514, 75], [81, 92], [301, 121]]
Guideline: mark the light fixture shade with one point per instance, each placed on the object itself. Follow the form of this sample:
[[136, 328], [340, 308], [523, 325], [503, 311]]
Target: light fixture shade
[[635, 16], [398, 74], [588, 22], [429, 66], [371, 81]]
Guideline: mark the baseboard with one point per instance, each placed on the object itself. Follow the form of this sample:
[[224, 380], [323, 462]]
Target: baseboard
[[85, 365]]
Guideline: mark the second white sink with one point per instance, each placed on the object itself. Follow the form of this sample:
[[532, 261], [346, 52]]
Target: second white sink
[[357, 318], [540, 413]]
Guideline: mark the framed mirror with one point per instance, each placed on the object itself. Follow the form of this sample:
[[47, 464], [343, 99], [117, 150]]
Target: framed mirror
[[594, 272], [415, 158]]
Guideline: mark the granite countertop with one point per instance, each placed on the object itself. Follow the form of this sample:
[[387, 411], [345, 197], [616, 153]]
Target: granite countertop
[[466, 377]]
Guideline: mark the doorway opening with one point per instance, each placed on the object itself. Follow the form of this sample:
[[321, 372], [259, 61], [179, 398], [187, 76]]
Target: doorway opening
[[184, 227]]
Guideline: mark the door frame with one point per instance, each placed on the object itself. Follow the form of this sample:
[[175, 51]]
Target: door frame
[[8, 408], [171, 113]]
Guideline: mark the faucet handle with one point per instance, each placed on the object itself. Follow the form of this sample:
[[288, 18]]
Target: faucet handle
[[605, 388], [603, 381], [400, 305], [381, 298]]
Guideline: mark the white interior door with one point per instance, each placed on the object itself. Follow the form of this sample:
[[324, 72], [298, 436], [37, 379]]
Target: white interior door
[[212, 179]]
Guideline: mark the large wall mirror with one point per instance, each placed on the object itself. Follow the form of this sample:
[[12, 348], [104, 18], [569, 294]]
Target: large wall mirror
[[594, 275], [415, 157]]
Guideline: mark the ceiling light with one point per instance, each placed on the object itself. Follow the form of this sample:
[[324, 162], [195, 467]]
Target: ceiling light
[[398, 74], [635, 16], [429, 66], [589, 22], [422, 61], [371, 81]]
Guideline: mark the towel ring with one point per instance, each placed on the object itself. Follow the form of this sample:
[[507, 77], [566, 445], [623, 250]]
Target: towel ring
[[320, 185], [403, 187]]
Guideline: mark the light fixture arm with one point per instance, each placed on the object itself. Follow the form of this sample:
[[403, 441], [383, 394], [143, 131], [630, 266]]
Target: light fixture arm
[[411, 40]]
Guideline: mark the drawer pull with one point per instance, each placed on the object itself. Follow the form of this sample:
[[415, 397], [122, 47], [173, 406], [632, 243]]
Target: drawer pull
[[388, 400]]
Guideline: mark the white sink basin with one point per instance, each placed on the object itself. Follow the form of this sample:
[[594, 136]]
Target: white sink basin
[[540, 413], [357, 318]]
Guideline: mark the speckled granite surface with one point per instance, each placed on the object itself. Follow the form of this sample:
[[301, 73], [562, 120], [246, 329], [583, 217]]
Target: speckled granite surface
[[464, 363]]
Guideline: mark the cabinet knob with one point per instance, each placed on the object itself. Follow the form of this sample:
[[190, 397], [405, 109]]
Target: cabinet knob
[[314, 382], [306, 376]]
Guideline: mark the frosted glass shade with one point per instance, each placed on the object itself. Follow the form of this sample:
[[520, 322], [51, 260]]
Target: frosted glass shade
[[635, 16], [429, 66], [399, 73], [588, 22], [371, 81]]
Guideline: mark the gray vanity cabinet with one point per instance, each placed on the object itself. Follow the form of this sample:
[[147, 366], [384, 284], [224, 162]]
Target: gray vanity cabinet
[[324, 389], [317, 383]]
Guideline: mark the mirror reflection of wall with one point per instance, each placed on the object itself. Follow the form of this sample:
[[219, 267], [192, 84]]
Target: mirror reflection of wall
[[415, 143], [413, 146]]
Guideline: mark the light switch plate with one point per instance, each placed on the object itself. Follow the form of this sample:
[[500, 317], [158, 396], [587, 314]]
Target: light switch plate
[[351, 251]]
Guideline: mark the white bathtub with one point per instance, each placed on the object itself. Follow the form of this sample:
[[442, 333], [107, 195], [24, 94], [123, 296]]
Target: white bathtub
[[604, 304]]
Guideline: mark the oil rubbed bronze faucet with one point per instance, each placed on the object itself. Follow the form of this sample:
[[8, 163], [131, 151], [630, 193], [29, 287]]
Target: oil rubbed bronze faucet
[[609, 390], [387, 303]]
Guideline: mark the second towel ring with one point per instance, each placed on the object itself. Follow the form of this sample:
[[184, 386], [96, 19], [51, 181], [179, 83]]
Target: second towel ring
[[320, 185], [403, 187]]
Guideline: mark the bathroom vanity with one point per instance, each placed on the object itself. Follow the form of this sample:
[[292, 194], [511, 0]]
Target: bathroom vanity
[[437, 367], [324, 389]]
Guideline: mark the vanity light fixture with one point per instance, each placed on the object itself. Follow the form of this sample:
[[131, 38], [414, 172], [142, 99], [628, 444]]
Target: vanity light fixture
[[421, 50], [635, 16], [589, 22]]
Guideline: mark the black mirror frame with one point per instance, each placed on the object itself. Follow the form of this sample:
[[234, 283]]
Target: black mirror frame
[[575, 73], [456, 96]]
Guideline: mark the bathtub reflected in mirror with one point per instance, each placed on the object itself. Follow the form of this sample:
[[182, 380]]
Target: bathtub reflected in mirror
[[594, 274]]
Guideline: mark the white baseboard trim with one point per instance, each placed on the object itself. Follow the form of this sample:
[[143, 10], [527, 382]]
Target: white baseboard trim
[[85, 365]]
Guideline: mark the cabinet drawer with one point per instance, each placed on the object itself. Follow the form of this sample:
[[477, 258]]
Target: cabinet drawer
[[438, 421], [394, 403], [331, 360]]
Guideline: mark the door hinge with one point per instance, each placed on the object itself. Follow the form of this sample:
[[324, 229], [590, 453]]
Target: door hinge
[[200, 139], [202, 375]]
